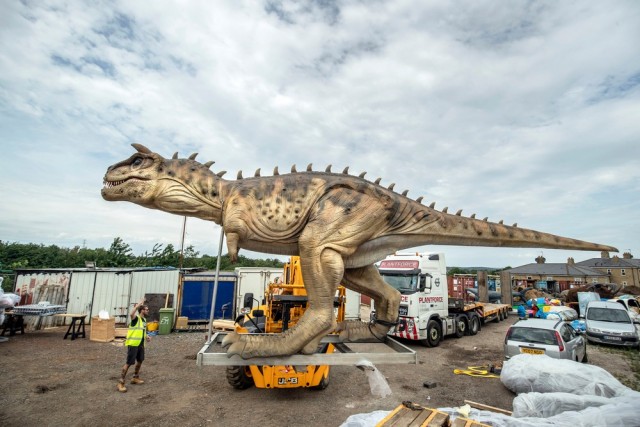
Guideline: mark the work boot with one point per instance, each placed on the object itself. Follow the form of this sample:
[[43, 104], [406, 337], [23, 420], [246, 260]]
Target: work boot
[[121, 387], [137, 380]]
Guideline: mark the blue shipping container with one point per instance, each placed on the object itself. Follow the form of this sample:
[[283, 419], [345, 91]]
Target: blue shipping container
[[197, 295]]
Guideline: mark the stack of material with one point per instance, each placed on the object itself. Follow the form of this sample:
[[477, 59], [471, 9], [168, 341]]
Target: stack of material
[[41, 309]]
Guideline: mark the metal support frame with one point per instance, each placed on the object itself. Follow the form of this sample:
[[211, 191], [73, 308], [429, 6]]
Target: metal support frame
[[347, 354]]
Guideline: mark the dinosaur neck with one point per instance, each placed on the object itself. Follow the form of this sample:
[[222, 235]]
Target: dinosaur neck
[[200, 198]]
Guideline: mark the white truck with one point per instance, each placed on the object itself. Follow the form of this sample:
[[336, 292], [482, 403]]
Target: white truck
[[426, 313]]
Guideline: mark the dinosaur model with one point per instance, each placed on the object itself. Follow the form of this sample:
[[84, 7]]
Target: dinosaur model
[[338, 224]]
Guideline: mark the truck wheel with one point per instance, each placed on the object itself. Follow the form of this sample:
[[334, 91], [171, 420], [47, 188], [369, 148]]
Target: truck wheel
[[462, 327], [239, 377], [434, 333], [474, 325]]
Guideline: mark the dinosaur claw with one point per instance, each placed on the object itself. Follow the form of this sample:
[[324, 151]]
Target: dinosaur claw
[[230, 339]]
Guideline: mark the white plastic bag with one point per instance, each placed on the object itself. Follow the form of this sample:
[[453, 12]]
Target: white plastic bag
[[377, 382]]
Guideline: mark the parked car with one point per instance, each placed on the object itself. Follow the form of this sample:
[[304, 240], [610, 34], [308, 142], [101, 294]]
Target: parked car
[[609, 323], [552, 337]]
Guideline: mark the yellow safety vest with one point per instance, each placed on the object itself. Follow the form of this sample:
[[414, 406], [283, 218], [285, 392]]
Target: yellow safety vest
[[138, 333]]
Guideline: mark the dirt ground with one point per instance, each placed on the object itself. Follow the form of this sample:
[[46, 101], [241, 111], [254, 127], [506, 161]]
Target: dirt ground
[[47, 380]]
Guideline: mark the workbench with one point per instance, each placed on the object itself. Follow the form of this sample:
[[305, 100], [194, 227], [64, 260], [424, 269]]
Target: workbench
[[76, 328]]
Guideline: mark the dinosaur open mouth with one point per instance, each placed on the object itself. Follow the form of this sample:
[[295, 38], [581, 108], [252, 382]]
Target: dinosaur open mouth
[[112, 184]]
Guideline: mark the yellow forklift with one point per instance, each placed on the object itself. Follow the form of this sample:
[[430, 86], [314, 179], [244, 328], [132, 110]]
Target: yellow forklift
[[284, 304]]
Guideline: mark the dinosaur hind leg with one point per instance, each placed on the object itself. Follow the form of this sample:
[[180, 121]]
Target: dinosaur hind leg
[[367, 281], [322, 270]]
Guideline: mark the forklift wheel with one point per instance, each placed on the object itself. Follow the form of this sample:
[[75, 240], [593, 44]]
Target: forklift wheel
[[324, 383], [239, 377]]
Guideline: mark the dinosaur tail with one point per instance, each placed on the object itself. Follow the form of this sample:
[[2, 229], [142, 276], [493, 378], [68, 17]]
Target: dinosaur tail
[[446, 229]]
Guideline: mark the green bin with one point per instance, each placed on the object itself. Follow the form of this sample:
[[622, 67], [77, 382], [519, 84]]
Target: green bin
[[166, 320]]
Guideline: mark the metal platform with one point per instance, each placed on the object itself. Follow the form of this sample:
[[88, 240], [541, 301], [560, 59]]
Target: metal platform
[[347, 354]]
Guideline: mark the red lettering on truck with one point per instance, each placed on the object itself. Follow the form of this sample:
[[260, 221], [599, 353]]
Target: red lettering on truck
[[430, 299], [394, 263]]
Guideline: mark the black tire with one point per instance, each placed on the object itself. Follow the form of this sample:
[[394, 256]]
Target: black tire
[[239, 377], [434, 334], [324, 383], [474, 325], [462, 326]]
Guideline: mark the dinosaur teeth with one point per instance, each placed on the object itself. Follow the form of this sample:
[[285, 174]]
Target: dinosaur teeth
[[111, 184]]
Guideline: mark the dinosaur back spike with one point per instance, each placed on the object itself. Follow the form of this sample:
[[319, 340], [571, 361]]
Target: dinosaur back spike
[[175, 156], [393, 184], [257, 174], [310, 167], [405, 192], [328, 169], [432, 205], [377, 181], [345, 171], [220, 174], [209, 163], [419, 199], [193, 156], [362, 175], [293, 169], [445, 209], [239, 175], [459, 213], [472, 216], [275, 171]]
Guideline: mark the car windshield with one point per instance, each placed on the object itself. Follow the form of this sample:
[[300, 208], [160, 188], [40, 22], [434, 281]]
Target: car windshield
[[533, 335], [607, 315], [402, 282]]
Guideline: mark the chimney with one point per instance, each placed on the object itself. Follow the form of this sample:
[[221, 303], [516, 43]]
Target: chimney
[[627, 255], [604, 254], [616, 259], [570, 261], [540, 259]]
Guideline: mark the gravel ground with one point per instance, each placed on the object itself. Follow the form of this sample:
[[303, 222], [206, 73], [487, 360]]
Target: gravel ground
[[51, 381]]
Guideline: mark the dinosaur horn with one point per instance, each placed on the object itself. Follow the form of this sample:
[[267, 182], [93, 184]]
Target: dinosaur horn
[[221, 173], [175, 155], [193, 156], [141, 148], [209, 163]]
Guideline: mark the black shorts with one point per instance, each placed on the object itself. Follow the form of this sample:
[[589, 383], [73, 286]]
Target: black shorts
[[135, 354]]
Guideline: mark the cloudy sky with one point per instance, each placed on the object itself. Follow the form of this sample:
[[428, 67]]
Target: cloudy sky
[[524, 111]]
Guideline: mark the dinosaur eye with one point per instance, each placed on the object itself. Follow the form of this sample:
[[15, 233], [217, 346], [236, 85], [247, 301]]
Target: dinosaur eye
[[137, 161]]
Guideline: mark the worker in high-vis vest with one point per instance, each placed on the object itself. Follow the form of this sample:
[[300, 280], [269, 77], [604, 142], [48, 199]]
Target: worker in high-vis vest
[[136, 337]]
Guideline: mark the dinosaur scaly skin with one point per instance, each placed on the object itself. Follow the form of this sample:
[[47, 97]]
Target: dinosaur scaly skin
[[339, 224]]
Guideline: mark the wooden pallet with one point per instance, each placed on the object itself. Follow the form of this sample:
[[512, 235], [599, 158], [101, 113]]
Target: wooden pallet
[[409, 414]]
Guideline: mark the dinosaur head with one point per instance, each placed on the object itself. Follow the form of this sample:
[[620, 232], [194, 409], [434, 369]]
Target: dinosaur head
[[179, 186]]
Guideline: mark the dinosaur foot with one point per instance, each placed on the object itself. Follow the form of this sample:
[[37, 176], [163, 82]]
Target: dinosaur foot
[[354, 330], [249, 346]]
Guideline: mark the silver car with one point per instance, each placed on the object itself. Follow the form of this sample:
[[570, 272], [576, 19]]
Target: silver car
[[610, 323], [553, 338]]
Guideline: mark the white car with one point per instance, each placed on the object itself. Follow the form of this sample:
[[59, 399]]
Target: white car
[[610, 323]]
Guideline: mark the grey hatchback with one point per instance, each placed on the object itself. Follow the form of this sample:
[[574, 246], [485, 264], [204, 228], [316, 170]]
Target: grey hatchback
[[554, 338]]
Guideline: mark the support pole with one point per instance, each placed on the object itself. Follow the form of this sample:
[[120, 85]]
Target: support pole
[[215, 285]]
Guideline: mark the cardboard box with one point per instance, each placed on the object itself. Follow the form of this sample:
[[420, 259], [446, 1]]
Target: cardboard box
[[102, 330], [182, 322]]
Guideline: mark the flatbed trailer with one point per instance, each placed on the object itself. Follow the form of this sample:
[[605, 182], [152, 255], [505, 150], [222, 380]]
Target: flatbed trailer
[[485, 310]]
